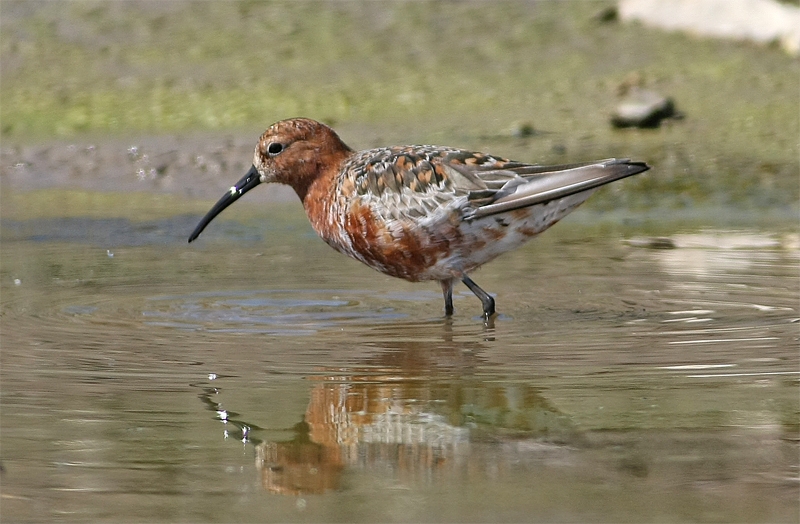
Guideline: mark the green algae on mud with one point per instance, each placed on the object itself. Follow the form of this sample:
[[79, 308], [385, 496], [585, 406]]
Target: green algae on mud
[[71, 203], [436, 72]]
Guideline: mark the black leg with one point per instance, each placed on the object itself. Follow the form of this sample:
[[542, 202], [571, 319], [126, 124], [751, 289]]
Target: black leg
[[486, 300], [447, 291]]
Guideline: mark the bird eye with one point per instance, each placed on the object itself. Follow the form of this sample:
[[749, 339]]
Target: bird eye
[[274, 148]]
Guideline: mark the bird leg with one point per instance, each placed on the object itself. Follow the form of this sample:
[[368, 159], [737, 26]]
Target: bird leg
[[486, 300], [447, 291]]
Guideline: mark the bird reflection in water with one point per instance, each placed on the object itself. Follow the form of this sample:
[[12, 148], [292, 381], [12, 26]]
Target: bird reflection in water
[[416, 411], [350, 423]]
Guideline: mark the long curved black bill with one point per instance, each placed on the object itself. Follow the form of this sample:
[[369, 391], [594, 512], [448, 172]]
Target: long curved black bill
[[250, 180]]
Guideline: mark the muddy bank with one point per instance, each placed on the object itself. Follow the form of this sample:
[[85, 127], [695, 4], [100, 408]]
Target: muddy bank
[[187, 171], [195, 167]]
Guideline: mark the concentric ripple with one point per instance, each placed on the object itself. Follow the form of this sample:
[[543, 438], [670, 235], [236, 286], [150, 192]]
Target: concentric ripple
[[277, 312]]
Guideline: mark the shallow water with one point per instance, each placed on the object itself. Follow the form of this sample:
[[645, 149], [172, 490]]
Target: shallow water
[[257, 375]]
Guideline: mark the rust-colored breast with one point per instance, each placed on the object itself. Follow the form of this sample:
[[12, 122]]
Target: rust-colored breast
[[402, 247]]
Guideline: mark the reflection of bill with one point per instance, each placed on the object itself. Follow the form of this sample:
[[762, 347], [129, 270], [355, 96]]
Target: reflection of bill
[[418, 429]]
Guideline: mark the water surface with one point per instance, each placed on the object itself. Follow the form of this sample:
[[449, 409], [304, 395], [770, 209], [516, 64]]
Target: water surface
[[257, 375]]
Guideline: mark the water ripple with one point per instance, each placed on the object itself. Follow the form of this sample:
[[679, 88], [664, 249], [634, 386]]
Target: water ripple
[[275, 312]]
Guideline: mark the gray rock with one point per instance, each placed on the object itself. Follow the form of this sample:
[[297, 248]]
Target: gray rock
[[642, 108]]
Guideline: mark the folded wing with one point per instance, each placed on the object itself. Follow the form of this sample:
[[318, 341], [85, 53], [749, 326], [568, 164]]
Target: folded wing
[[418, 181], [526, 185]]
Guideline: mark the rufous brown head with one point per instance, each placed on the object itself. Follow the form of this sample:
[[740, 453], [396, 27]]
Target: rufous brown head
[[293, 152]]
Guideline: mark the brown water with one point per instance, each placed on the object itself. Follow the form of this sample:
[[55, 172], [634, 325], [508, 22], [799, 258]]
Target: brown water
[[260, 376]]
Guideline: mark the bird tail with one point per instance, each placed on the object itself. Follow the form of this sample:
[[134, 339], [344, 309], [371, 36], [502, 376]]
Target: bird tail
[[546, 184]]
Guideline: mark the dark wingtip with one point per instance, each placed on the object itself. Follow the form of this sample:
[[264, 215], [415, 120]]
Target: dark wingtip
[[633, 167], [639, 167]]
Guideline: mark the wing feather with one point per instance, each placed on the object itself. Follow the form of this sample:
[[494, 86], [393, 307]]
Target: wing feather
[[546, 184], [416, 181]]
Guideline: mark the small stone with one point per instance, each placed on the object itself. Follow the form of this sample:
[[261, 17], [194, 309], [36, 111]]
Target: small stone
[[642, 108]]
